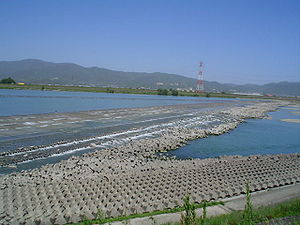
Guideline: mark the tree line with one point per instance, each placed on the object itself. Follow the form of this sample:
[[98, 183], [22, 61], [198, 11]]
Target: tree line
[[167, 92]]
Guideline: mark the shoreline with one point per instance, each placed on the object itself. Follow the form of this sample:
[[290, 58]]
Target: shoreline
[[137, 91]]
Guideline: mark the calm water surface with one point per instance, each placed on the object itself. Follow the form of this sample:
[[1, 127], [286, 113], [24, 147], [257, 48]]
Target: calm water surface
[[256, 136], [24, 102]]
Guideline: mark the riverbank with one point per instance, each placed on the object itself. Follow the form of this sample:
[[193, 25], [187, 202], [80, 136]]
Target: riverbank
[[135, 91], [132, 178]]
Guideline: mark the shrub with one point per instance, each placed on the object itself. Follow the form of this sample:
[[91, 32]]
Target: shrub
[[248, 217], [203, 217], [189, 217]]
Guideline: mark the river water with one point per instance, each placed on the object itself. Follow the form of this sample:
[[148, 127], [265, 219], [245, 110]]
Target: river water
[[24, 102], [255, 136]]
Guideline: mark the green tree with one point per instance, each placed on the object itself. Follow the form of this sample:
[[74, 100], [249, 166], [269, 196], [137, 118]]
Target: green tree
[[7, 81], [174, 92]]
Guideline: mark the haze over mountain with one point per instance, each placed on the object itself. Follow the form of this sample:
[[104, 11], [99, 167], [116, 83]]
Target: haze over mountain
[[35, 71]]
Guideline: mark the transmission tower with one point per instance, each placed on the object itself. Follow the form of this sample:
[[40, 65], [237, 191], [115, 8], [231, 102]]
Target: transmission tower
[[200, 80]]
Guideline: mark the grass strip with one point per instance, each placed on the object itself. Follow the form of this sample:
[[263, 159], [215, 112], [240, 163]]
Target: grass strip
[[141, 215], [261, 214]]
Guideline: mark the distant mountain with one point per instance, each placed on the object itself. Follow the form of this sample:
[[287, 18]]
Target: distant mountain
[[40, 72]]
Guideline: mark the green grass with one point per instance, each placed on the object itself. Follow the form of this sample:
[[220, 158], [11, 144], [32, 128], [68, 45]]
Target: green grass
[[149, 214], [262, 214]]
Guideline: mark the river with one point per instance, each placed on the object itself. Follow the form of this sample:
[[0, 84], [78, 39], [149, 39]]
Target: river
[[255, 136]]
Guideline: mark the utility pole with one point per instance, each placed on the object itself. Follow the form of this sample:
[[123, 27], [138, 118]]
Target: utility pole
[[200, 78]]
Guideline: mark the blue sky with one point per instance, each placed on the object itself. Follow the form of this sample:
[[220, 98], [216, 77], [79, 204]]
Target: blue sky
[[245, 41]]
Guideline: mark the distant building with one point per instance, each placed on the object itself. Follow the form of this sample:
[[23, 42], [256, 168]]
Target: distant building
[[21, 83], [159, 83]]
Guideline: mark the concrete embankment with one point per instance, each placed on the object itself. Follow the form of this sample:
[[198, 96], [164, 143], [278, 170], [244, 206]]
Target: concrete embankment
[[261, 198], [131, 178]]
